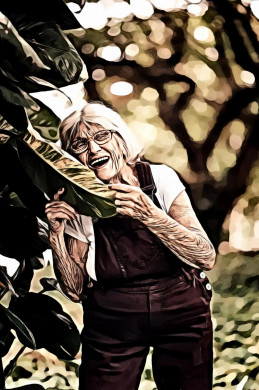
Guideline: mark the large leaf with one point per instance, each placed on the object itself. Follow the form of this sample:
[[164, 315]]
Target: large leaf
[[13, 94], [19, 236], [69, 345], [51, 169], [14, 179], [50, 57], [23, 277], [45, 122], [44, 9], [5, 347], [20, 58], [19, 326], [6, 337], [5, 281], [49, 323], [51, 284], [13, 117]]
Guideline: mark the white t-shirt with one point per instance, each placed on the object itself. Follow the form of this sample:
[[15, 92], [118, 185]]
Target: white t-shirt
[[168, 187]]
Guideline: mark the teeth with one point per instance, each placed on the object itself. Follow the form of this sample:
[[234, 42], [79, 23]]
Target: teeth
[[93, 163]]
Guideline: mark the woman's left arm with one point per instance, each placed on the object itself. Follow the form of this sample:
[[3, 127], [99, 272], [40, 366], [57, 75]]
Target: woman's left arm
[[179, 230]]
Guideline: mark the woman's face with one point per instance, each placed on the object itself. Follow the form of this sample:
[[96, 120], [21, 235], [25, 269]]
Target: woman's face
[[106, 160]]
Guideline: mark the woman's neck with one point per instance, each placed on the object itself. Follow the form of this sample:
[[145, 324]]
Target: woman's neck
[[127, 175]]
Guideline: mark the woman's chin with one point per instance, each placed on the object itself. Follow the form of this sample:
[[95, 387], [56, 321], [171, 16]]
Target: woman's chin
[[106, 177]]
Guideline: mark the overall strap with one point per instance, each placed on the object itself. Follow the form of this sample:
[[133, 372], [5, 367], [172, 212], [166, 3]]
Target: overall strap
[[145, 177]]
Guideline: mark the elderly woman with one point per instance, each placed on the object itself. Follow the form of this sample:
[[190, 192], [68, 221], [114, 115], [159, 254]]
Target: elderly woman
[[141, 270]]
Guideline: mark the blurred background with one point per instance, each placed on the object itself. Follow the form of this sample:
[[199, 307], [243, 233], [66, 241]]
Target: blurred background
[[183, 75]]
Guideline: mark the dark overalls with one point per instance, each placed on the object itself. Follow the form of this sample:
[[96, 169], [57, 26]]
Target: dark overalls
[[145, 296]]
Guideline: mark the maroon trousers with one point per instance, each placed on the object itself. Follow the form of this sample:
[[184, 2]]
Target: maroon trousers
[[172, 315]]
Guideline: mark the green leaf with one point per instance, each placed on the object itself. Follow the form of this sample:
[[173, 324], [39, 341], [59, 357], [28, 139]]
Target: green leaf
[[45, 122], [19, 232], [37, 262], [11, 93], [51, 284], [6, 337], [69, 345], [6, 345], [21, 59], [6, 281], [49, 323], [51, 169], [21, 329]]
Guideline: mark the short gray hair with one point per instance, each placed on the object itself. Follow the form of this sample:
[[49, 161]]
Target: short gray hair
[[96, 112]]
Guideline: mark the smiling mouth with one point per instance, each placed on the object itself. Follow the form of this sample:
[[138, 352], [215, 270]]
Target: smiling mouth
[[97, 163]]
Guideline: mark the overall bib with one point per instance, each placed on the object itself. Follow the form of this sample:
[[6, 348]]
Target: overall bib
[[144, 297]]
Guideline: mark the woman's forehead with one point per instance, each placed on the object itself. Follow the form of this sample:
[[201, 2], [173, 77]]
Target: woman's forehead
[[88, 129]]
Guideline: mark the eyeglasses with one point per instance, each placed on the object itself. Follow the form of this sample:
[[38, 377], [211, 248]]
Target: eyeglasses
[[81, 145]]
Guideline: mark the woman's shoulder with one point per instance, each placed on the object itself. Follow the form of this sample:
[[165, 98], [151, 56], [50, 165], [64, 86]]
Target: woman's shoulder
[[168, 184], [163, 172]]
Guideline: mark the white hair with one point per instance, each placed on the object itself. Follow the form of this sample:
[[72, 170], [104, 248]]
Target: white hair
[[97, 113]]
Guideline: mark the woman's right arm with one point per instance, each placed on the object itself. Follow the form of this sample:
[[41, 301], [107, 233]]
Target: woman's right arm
[[69, 254]]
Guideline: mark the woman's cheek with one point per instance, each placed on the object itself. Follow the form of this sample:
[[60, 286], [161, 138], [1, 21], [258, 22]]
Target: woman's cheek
[[82, 158]]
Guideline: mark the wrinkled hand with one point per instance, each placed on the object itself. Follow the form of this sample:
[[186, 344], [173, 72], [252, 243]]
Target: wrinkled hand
[[57, 211], [132, 201]]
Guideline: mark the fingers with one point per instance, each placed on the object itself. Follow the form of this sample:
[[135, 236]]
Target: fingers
[[60, 192], [59, 203], [125, 211], [122, 187], [125, 203], [54, 211], [132, 199], [59, 215]]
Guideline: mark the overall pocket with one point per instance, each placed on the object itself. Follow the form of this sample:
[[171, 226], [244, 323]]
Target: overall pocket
[[136, 247], [205, 286]]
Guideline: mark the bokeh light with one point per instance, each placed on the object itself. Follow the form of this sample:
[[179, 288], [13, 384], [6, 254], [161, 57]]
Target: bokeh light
[[169, 5], [98, 74], [203, 34], [150, 94], [247, 77], [121, 88], [87, 48], [145, 132], [235, 141], [114, 31], [87, 17], [131, 51], [197, 9], [117, 9], [164, 53], [109, 53], [141, 8], [254, 108], [211, 53]]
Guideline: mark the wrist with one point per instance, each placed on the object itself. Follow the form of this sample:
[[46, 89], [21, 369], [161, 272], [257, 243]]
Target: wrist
[[153, 215], [55, 235]]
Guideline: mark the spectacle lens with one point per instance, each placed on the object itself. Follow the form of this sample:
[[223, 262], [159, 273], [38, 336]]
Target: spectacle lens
[[81, 145]]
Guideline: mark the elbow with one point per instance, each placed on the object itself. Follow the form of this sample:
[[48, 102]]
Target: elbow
[[211, 260], [71, 295]]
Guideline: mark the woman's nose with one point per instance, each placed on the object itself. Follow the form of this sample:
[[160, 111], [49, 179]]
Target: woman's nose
[[93, 146]]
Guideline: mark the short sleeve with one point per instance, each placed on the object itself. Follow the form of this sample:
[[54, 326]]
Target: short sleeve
[[168, 185]]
